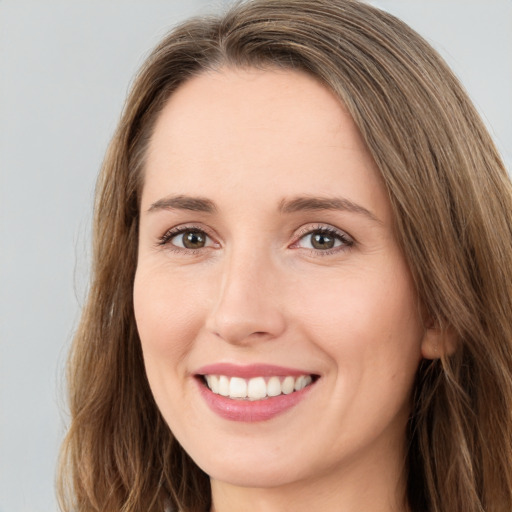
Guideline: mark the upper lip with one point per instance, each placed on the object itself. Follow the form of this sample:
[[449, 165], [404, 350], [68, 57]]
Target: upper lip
[[249, 371]]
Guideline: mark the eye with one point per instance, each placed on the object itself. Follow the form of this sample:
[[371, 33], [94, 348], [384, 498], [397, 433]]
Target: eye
[[187, 238], [190, 240], [324, 239]]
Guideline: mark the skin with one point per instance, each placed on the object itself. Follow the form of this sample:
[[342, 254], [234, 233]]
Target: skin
[[259, 292]]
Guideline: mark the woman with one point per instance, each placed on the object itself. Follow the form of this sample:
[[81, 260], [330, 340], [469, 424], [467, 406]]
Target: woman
[[302, 278]]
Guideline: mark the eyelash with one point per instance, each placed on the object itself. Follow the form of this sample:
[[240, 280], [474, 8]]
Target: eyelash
[[165, 239], [346, 241]]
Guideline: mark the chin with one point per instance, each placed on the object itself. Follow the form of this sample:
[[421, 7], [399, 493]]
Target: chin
[[244, 472], [251, 478]]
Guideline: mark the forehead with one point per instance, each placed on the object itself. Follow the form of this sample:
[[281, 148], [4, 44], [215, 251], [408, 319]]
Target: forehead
[[272, 100], [246, 128]]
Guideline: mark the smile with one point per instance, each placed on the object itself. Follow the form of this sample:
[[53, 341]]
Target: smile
[[256, 388], [253, 393]]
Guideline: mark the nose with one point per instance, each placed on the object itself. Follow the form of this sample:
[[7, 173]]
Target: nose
[[246, 307]]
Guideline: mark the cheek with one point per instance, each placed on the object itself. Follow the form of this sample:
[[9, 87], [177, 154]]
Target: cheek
[[167, 316], [366, 320]]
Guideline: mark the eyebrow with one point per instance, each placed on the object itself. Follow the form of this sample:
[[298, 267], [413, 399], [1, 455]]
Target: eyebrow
[[297, 204], [307, 203], [196, 204]]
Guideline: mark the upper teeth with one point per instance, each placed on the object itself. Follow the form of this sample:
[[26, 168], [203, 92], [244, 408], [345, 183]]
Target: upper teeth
[[257, 387]]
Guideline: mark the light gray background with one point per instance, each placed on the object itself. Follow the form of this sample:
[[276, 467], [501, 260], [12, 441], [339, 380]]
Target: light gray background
[[65, 67]]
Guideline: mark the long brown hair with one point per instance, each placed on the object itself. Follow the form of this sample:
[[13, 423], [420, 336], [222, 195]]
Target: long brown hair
[[452, 201]]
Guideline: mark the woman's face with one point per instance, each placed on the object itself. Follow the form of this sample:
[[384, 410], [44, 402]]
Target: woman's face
[[268, 261]]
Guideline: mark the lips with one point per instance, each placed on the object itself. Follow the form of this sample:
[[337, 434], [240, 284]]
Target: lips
[[252, 393]]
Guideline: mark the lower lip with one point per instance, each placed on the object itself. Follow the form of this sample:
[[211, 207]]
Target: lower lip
[[248, 410]]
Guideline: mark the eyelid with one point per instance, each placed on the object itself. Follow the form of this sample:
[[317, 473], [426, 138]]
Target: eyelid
[[311, 228], [348, 240], [165, 239]]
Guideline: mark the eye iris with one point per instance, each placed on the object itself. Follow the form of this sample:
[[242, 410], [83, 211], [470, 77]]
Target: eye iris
[[322, 241], [194, 240]]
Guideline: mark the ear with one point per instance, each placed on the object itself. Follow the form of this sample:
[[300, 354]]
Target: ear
[[438, 342]]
